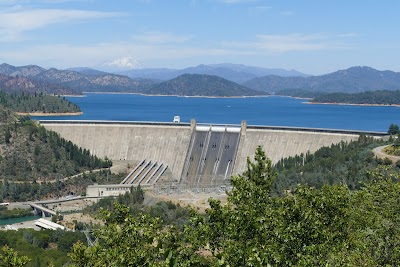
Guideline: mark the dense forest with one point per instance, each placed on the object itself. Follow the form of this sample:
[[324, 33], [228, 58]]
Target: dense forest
[[34, 162], [383, 97], [43, 248], [37, 102], [345, 163]]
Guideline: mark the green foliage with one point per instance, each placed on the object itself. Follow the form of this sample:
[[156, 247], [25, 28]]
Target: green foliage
[[393, 149], [168, 212], [31, 153], [342, 163], [393, 129], [127, 240], [132, 199], [10, 258], [330, 226], [42, 247], [28, 103], [383, 97], [13, 213]]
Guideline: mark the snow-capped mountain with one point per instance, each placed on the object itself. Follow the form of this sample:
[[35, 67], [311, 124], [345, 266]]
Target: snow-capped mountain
[[121, 64]]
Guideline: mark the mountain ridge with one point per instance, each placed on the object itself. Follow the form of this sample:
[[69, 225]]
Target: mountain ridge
[[33, 78], [238, 73], [352, 80], [202, 85]]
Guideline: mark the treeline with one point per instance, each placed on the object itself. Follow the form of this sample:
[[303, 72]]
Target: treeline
[[44, 248], [37, 102], [345, 163], [383, 97]]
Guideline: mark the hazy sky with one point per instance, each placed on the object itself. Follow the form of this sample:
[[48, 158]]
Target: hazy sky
[[312, 36]]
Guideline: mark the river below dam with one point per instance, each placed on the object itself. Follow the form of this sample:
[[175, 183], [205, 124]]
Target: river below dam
[[271, 110]]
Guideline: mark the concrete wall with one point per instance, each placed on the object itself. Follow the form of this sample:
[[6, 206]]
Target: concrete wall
[[110, 190], [161, 143], [169, 143], [278, 144]]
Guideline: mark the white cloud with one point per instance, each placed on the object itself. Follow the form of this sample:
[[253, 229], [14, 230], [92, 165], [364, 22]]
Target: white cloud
[[155, 49], [348, 34], [65, 55], [259, 10], [287, 13], [161, 38], [21, 2], [290, 42], [237, 1], [14, 23]]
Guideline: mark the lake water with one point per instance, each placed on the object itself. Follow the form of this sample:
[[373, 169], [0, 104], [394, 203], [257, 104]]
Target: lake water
[[273, 111]]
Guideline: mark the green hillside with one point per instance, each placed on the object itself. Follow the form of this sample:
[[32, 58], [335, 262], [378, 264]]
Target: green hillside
[[37, 102], [371, 97], [33, 159], [201, 85]]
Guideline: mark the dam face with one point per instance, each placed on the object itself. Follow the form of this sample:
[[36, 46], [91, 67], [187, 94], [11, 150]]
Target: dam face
[[198, 156], [211, 156]]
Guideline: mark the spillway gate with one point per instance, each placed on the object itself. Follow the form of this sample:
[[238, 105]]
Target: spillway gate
[[211, 156]]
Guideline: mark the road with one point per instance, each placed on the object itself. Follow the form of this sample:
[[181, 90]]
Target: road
[[378, 151]]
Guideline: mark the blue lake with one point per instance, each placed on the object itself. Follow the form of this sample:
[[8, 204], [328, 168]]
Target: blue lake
[[274, 111]]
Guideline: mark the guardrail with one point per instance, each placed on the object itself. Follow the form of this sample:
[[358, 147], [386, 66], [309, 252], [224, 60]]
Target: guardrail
[[260, 127]]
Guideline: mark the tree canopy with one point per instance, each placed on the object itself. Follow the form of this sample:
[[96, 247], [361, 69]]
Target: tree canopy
[[330, 226]]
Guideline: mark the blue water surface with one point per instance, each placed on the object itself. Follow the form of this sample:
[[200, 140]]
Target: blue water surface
[[273, 110]]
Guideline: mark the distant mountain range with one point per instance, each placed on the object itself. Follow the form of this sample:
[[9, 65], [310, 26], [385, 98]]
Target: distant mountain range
[[201, 85], [233, 72], [210, 80], [34, 78], [352, 80]]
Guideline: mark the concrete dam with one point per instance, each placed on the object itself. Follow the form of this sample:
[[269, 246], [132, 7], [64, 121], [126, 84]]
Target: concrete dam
[[195, 155]]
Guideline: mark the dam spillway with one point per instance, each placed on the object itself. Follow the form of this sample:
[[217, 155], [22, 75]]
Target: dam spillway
[[212, 152], [197, 155]]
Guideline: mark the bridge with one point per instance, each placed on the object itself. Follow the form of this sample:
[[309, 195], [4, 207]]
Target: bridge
[[196, 155], [40, 209]]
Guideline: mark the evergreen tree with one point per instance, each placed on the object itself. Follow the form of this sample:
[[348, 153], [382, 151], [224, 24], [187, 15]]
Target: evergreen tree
[[393, 129]]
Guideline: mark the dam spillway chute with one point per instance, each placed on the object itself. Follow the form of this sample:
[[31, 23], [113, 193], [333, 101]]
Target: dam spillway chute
[[146, 172], [210, 157]]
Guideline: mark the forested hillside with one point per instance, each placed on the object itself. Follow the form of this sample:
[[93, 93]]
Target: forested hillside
[[37, 102], [30, 156], [201, 85], [371, 97], [342, 163]]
